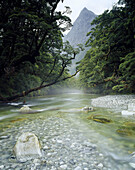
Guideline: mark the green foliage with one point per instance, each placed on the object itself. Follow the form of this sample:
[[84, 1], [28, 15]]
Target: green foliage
[[110, 62], [32, 53]]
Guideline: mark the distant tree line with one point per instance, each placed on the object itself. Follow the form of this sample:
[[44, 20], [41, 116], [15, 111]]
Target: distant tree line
[[109, 65]]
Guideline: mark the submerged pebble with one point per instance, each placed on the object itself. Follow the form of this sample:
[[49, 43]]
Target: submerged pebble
[[78, 168], [63, 166], [4, 137], [1, 166], [100, 165]]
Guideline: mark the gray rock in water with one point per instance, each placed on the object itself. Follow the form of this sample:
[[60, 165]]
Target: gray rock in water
[[131, 106], [25, 109], [132, 160], [87, 108], [78, 168], [1, 166], [27, 147], [131, 109], [127, 113], [63, 166]]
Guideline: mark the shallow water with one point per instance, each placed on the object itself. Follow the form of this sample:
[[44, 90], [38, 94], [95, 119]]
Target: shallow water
[[109, 138]]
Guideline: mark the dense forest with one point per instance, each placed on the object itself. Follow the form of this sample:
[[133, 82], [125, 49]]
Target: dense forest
[[109, 65], [32, 53]]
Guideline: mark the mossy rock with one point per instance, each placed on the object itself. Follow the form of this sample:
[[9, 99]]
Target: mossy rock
[[100, 119], [125, 132], [19, 119], [25, 109], [129, 125], [127, 129]]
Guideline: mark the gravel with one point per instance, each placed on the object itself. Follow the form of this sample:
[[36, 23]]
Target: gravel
[[64, 146], [113, 101]]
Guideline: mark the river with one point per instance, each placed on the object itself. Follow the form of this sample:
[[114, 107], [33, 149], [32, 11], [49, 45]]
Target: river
[[114, 140]]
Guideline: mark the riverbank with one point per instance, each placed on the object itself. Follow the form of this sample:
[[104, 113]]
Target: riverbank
[[118, 102]]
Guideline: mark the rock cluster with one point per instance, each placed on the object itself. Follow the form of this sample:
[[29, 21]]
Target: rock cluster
[[119, 102]]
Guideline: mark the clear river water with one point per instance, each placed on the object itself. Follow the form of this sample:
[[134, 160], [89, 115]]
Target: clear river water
[[114, 138]]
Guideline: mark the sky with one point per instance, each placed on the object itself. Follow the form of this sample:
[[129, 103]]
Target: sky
[[96, 6]]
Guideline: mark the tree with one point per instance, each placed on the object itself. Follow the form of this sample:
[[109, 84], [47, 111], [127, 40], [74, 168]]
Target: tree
[[112, 42], [31, 46]]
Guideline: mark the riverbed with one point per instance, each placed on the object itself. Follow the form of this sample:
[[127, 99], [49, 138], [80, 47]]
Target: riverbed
[[69, 137]]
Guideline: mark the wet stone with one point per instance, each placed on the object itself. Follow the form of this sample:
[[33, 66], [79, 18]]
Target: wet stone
[[63, 166], [4, 137], [72, 162], [1, 166], [100, 165], [59, 141], [78, 168], [46, 148]]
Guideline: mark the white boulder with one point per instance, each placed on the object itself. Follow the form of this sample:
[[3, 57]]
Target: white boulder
[[25, 109], [27, 147], [127, 113], [131, 106], [130, 111]]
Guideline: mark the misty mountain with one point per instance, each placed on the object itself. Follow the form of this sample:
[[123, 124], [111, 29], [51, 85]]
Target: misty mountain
[[77, 34]]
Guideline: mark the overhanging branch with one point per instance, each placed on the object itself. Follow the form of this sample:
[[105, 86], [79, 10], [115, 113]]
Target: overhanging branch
[[25, 93]]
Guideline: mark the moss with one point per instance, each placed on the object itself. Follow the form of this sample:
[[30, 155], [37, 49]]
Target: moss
[[125, 132], [100, 119], [19, 119], [130, 125], [127, 129]]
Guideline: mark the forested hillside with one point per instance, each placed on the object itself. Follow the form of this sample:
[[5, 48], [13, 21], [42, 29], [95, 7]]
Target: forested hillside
[[32, 54], [109, 65]]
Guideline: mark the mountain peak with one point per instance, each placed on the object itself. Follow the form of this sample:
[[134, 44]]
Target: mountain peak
[[86, 11], [77, 34]]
